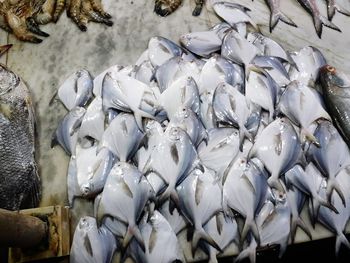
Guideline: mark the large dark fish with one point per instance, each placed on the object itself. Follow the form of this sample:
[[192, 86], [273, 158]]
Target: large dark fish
[[19, 180], [336, 93]]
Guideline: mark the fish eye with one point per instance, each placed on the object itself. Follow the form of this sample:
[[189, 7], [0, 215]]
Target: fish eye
[[330, 69]]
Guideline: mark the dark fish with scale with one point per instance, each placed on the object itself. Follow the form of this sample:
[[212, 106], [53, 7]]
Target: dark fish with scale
[[19, 179]]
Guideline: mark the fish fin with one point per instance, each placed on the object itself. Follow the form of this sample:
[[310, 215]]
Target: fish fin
[[138, 117], [126, 189], [219, 224], [318, 201], [133, 231], [248, 252], [33, 195], [250, 226], [174, 153], [201, 234], [331, 11], [72, 185], [298, 222], [341, 239], [54, 140], [199, 191], [274, 182], [342, 11], [227, 170], [334, 185], [152, 240], [251, 186], [169, 192], [309, 136], [244, 133], [319, 21], [87, 245], [278, 144], [277, 16]]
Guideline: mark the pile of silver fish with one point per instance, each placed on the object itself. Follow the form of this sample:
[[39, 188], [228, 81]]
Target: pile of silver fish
[[228, 127]]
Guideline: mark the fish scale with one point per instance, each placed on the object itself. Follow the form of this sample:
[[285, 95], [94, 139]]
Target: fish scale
[[19, 181]]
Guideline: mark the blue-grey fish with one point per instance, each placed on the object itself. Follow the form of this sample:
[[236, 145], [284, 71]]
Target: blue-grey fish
[[308, 62], [202, 43], [92, 244], [262, 90], [199, 207], [218, 69], [124, 197], [230, 107], [244, 191], [140, 100], [76, 91], [303, 107], [331, 156], [98, 80], [173, 158], [66, 134], [238, 49], [224, 230], [189, 121], [93, 122], [274, 223], [336, 223], [305, 182], [232, 13], [88, 171], [122, 137], [274, 68], [279, 148], [20, 182], [181, 93], [222, 147], [268, 47], [161, 243], [161, 49]]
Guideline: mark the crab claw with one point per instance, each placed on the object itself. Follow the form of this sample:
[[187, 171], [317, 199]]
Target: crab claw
[[34, 27]]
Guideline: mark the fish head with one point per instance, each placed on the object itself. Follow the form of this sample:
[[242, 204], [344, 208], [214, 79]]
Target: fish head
[[175, 133], [8, 80], [87, 189], [331, 77], [86, 224]]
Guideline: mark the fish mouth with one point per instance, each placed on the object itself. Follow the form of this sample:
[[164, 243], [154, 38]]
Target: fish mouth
[[328, 69]]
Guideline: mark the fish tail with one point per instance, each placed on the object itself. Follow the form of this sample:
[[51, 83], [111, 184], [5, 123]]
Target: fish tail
[[331, 12], [139, 115], [133, 231], [201, 234], [310, 137], [298, 222], [334, 185], [248, 252], [319, 21], [250, 226], [320, 201], [274, 182], [341, 239], [277, 16]]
